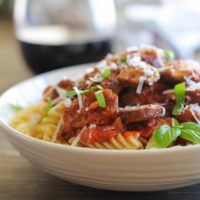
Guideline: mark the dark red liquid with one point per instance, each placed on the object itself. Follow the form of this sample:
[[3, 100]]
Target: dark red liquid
[[41, 58]]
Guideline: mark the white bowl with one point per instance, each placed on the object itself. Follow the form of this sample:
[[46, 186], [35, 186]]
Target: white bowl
[[124, 170]]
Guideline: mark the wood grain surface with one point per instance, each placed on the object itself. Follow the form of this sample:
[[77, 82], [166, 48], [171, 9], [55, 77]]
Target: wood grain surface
[[20, 180]]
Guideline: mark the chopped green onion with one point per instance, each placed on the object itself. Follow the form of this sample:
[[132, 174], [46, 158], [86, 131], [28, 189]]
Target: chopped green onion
[[65, 93], [169, 55], [81, 92], [97, 87], [100, 99], [123, 59], [49, 106], [16, 107], [98, 79], [106, 73], [70, 93], [75, 91], [180, 98]]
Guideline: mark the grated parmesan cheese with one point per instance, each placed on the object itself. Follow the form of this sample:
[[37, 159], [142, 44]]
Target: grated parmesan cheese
[[192, 85], [170, 91], [140, 85], [163, 111], [57, 130], [80, 101], [195, 108], [192, 65]]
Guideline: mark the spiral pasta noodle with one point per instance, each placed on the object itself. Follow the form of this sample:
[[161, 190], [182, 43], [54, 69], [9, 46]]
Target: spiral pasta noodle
[[47, 128], [120, 142], [33, 122], [25, 121]]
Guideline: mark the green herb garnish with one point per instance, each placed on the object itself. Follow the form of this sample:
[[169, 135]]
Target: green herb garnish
[[191, 132], [49, 106], [100, 78], [16, 107], [100, 99], [165, 135], [97, 87], [169, 55], [123, 59], [72, 93], [65, 93], [180, 98]]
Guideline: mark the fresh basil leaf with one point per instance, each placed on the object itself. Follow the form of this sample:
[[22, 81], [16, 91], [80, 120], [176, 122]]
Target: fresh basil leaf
[[191, 126], [191, 135], [174, 122], [169, 55], [180, 98], [165, 135]]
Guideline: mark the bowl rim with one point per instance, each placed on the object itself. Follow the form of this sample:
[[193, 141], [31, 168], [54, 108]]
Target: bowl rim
[[27, 138]]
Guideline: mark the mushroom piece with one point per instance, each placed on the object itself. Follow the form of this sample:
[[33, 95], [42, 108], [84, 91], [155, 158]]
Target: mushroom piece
[[134, 76], [153, 55], [177, 70], [130, 114]]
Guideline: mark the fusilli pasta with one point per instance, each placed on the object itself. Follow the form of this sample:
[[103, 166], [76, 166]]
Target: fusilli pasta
[[120, 142]]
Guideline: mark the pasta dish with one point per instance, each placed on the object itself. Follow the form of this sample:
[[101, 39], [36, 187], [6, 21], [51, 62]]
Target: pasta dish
[[141, 98]]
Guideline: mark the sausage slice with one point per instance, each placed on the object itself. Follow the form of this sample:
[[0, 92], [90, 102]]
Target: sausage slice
[[177, 70], [132, 114]]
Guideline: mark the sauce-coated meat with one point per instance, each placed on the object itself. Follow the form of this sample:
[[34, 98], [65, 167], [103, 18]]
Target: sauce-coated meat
[[177, 70], [91, 113], [141, 113], [132, 76], [190, 113]]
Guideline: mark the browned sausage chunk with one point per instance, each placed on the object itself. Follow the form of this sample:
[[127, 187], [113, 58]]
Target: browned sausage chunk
[[141, 113], [134, 75], [76, 118], [191, 113], [177, 70]]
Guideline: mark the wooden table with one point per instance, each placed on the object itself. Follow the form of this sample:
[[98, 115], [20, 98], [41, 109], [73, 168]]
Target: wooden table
[[20, 180]]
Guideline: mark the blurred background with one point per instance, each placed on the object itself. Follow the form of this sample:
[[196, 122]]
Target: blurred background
[[38, 36]]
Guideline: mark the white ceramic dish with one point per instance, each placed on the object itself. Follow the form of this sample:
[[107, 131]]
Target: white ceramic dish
[[124, 170]]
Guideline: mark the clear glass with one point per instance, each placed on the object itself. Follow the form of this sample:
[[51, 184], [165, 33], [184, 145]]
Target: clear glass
[[64, 32]]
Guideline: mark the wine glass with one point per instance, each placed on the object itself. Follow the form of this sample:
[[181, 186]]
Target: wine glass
[[61, 33]]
